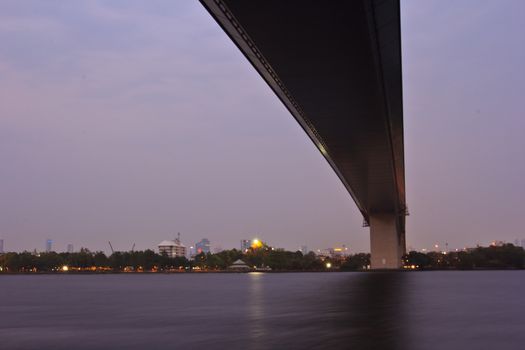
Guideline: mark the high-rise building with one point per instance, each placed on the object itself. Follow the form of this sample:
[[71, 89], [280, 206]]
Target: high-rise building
[[1, 246], [304, 249], [245, 245], [203, 246], [49, 245], [173, 248], [70, 248], [191, 252]]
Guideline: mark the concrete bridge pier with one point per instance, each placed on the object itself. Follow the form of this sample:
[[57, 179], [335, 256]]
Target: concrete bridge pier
[[387, 244]]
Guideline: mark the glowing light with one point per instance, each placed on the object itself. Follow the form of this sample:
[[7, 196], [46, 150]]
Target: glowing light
[[256, 243], [328, 265], [65, 268]]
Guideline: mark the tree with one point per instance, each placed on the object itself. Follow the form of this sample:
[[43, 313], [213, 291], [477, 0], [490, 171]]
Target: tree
[[100, 260], [418, 259], [356, 262]]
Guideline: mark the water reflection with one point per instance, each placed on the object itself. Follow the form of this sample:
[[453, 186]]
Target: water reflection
[[362, 311], [256, 310], [434, 310], [373, 311]]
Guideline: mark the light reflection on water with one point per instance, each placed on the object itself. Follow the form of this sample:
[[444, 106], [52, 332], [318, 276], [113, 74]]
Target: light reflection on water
[[451, 310], [256, 309]]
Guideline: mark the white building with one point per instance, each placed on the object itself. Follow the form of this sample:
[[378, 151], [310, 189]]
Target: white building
[[172, 248], [239, 265]]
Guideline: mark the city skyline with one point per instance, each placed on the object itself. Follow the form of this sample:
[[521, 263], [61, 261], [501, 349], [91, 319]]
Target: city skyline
[[191, 246], [140, 125]]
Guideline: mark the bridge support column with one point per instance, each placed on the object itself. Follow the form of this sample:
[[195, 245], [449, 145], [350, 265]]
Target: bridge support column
[[387, 245]]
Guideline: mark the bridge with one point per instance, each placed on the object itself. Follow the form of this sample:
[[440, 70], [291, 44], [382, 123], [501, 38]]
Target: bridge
[[336, 66]]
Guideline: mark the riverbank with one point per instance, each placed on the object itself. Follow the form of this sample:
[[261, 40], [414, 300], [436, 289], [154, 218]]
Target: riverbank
[[504, 257]]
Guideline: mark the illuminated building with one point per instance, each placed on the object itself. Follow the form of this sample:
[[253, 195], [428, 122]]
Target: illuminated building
[[334, 253], [203, 246], [192, 252], [339, 252], [245, 245], [173, 248], [256, 244], [239, 265]]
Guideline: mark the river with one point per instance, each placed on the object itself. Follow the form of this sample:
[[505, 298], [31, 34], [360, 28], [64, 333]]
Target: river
[[400, 310]]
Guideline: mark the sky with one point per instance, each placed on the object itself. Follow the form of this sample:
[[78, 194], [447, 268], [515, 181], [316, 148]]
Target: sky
[[130, 121]]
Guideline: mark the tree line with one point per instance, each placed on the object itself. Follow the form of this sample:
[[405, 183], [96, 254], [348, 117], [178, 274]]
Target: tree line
[[86, 260], [506, 256], [148, 260], [497, 257]]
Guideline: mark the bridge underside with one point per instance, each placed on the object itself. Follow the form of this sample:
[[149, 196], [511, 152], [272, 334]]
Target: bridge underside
[[336, 66]]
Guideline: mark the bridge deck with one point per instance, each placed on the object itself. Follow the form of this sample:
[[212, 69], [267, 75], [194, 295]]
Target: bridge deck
[[336, 65]]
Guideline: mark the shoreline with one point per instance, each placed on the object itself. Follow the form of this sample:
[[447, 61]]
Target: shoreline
[[242, 272]]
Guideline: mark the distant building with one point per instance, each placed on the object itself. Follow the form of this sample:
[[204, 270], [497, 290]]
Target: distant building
[[523, 243], [239, 265], [333, 253], [1, 246], [49, 245], [191, 252], [172, 248], [245, 245], [203, 246], [497, 243], [70, 248], [304, 249]]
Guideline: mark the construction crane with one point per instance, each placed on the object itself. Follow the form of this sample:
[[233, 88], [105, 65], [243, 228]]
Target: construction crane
[[113, 251]]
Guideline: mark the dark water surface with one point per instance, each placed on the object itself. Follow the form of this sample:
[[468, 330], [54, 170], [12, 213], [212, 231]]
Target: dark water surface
[[416, 310]]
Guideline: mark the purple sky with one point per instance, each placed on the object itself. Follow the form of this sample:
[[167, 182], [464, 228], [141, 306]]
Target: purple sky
[[132, 121]]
